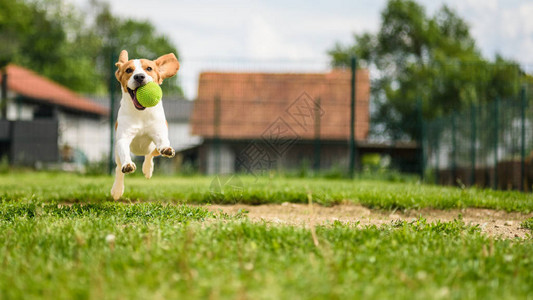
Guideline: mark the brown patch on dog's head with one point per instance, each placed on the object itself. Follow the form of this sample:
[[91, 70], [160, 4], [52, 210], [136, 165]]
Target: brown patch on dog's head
[[125, 69], [167, 65], [162, 68]]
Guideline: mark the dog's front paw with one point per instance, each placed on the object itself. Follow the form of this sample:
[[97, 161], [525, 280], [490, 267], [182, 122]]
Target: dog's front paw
[[167, 152], [128, 168]]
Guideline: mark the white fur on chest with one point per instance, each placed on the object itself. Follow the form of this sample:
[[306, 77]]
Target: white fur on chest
[[142, 127]]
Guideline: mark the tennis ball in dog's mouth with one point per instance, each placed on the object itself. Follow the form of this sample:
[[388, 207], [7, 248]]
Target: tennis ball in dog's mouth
[[149, 94]]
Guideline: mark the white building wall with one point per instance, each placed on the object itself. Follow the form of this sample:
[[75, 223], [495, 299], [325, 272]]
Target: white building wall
[[180, 137], [88, 135], [19, 111]]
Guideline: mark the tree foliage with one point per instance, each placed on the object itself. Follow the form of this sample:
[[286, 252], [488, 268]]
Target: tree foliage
[[72, 47], [431, 58]]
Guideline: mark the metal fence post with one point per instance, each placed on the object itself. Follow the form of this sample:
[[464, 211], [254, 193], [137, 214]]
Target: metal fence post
[[3, 102], [421, 139], [353, 150], [437, 155], [523, 139], [317, 134], [454, 149], [112, 112], [473, 138], [436, 134], [216, 139], [496, 146]]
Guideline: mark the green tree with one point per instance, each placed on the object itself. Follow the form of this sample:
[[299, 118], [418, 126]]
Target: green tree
[[14, 18], [431, 58], [73, 48], [36, 35], [139, 38]]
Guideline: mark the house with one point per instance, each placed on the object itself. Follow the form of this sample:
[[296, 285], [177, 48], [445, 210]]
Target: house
[[256, 121], [44, 122]]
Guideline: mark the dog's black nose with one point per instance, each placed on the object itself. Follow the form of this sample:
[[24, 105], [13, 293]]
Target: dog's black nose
[[139, 77]]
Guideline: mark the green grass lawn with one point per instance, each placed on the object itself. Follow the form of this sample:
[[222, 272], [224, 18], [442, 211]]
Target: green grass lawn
[[160, 248], [70, 188]]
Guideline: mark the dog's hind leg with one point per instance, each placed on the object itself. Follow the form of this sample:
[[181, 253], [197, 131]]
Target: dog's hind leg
[[148, 164], [118, 186]]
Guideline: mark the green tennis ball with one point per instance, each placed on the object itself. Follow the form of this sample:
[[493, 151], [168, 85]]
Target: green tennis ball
[[149, 94]]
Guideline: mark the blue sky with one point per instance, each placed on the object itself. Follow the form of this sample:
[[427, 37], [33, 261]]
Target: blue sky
[[295, 35]]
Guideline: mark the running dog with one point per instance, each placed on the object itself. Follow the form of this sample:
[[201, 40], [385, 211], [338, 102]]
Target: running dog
[[140, 130]]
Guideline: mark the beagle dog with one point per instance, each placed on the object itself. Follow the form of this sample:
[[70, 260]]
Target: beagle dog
[[140, 130]]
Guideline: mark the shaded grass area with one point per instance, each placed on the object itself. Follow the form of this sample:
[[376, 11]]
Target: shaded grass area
[[180, 252], [70, 188]]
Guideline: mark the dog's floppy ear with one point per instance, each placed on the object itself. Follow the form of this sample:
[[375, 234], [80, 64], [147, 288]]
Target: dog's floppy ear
[[168, 66], [122, 59]]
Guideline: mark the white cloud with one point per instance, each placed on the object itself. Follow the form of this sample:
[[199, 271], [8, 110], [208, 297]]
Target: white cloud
[[301, 29], [500, 26], [264, 41]]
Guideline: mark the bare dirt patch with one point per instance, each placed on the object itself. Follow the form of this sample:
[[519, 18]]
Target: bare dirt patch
[[492, 222]]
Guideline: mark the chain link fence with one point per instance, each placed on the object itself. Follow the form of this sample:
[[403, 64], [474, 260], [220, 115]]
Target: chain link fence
[[487, 145]]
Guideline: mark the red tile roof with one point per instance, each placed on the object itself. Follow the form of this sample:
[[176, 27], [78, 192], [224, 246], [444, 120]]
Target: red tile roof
[[253, 103], [29, 84]]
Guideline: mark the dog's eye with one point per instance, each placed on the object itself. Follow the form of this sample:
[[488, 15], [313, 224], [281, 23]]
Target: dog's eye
[[149, 69], [129, 70]]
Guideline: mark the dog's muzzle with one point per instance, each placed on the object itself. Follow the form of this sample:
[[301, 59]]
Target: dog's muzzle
[[133, 95]]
